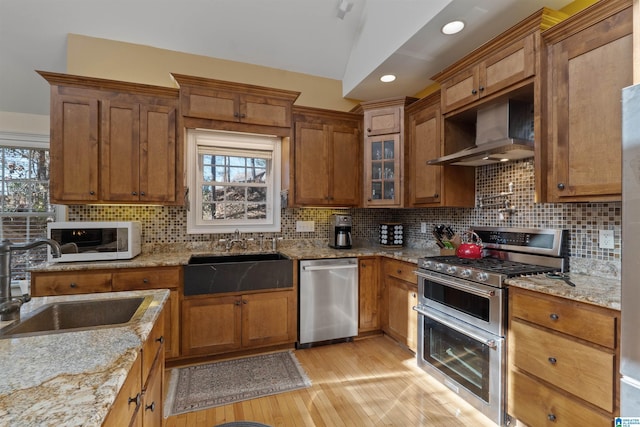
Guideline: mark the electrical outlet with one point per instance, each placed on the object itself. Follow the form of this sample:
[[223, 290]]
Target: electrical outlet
[[605, 240], [305, 226], [423, 227]]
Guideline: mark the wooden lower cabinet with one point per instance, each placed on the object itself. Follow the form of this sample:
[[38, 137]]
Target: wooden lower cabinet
[[562, 374], [368, 294], [126, 279], [400, 295], [220, 324], [139, 401]]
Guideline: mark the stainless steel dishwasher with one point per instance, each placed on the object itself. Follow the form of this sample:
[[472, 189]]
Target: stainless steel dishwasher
[[328, 300]]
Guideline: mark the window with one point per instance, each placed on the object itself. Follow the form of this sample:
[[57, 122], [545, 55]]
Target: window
[[234, 182], [24, 202]]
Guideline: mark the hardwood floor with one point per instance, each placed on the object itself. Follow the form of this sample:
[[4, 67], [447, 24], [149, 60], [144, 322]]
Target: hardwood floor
[[368, 382]]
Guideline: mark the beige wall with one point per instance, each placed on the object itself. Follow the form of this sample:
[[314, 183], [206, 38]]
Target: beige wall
[[95, 57]]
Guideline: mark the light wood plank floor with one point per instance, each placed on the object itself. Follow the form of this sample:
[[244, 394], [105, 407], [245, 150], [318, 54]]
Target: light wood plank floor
[[368, 382]]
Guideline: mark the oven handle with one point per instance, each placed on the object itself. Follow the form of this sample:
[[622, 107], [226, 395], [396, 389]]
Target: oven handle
[[491, 343], [329, 267], [470, 289]]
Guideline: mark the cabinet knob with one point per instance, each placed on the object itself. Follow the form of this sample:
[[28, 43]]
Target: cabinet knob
[[553, 360], [551, 417], [554, 316], [474, 92], [133, 193], [399, 271], [92, 192], [369, 130], [160, 340], [145, 280], [242, 116], [481, 88], [236, 115], [73, 285], [244, 301], [151, 407], [237, 302], [135, 400], [142, 193], [560, 186], [435, 196]]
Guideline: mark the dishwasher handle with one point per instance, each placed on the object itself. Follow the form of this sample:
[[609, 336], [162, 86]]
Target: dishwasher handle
[[329, 267]]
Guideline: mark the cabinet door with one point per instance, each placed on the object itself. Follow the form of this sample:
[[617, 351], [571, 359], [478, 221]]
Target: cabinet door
[[461, 89], [152, 399], [369, 294], [509, 66], [269, 319], [125, 407], [210, 104], [383, 121], [402, 319], [586, 111], [311, 164], [74, 148], [157, 153], [265, 110], [425, 181], [382, 171], [120, 151], [211, 325], [345, 170]]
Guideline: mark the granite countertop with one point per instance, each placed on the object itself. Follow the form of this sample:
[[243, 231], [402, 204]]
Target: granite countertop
[[70, 378], [589, 289]]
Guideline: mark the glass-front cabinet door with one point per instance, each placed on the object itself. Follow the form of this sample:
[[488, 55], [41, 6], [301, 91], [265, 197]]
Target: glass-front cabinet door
[[382, 171]]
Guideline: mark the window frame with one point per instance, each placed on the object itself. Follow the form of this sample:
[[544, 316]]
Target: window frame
[[230, 141]]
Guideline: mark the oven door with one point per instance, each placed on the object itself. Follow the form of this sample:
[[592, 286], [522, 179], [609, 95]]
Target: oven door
[[475, 303], [468, 360]]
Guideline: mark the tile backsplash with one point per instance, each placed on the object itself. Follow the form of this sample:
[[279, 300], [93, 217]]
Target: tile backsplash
[[583, 220]]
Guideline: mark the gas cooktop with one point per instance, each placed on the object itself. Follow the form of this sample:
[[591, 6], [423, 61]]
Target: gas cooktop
[[493, 265]]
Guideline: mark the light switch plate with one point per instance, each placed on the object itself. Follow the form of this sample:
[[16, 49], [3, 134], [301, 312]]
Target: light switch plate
[[605, 240], [305, 226], [423, 227]]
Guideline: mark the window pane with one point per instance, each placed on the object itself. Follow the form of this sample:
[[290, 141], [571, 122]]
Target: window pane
[[257, 194], [256, 210], [237, 175], [236, 194]]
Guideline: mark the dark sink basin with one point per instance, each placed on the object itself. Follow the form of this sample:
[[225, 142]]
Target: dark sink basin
[[78, 315], [213, 274], [212, 259]]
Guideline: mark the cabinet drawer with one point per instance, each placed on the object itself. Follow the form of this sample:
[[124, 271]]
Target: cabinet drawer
[[564, 316], [155, 278], [537, 405], [580, 369], [71, 283], [401, 270]]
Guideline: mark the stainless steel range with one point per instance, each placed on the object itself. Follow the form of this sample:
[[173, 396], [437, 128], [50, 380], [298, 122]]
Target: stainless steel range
[[462, 307]]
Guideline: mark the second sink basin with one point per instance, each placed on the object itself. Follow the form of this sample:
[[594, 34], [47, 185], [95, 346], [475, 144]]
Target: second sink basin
[[211, 259], [78, 315]]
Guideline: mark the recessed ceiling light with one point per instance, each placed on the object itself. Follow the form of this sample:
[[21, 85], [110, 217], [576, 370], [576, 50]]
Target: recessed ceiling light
[[504, 160], [452, 27], [387, 78]]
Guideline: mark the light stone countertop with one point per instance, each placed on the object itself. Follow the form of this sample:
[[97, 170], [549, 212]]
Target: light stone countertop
[[70, 378], [589, 289]]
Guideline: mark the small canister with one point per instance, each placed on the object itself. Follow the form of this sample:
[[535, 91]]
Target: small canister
[[391, 234]]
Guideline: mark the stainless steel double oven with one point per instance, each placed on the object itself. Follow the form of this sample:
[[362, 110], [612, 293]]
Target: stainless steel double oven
[[462, 307]]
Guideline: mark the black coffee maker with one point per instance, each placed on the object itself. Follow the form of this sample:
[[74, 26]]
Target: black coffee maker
[[341, 235]]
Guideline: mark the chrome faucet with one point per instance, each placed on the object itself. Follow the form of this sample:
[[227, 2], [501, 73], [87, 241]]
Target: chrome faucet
[[237, 238], [10, 307]]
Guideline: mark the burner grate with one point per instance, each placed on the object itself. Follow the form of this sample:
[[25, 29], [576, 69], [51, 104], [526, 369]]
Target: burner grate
[[495, 265]]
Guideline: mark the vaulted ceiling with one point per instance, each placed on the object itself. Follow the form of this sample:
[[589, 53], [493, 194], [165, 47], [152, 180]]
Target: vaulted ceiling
[[374, 37]]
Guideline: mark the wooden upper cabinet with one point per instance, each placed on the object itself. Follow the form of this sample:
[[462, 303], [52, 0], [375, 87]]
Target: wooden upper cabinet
[[74, 147], [589, 62], [327, 157], [113, 142], [506, 62], [431, 185], [209, 99], [382, 121]]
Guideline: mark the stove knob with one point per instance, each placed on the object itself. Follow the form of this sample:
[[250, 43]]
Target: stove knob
[[482, 277], [439, 266], [451, 269], [427, 264], [466, 273]]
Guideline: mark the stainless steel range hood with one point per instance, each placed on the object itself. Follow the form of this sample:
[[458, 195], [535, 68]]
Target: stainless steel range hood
[[503, 131]]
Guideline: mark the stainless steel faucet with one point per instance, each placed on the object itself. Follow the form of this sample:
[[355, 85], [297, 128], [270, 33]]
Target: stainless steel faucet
[[237, 238], [10, 307]]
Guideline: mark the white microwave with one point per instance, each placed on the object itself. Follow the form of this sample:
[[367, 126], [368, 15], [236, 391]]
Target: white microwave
[[95, 241]]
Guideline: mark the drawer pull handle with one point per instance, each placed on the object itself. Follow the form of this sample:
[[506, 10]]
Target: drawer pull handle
[[145, 280], [73, 285], [552, 360], [151, 407], [399, 271], [160, 340], [554, 316], [551, 417]]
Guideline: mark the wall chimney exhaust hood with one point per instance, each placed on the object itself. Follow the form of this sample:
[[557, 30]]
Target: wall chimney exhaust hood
[[503, 131]]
